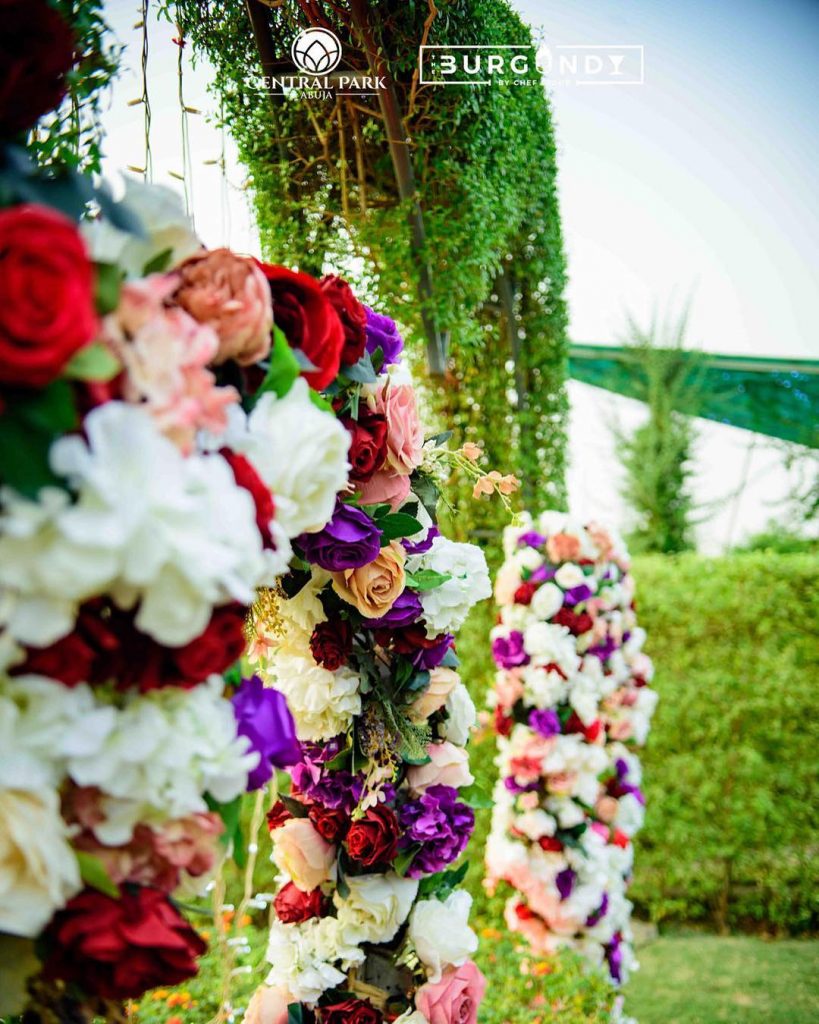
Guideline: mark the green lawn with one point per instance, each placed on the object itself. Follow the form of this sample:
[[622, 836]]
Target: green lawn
[[707, 979]]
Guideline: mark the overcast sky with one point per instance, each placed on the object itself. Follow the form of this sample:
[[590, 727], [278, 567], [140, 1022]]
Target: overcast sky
[[700, 183]]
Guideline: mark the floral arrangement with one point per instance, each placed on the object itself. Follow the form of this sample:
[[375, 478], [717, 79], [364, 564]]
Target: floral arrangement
[[571, 704], [162, 448], [370, 925]]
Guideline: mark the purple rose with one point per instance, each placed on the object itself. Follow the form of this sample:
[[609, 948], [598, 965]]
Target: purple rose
[[604, 650], [351, 539], [405, 610], [431, 657], [614, 957], [545, 721], [542, 574], [598, 915], [262, 715], [508, 650], [518, 787], [564, 882], [531, 539], [440, 824], [574, 595], [421, 546], [382, 333]]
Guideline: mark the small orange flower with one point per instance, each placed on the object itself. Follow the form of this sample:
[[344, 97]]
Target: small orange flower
[[173, 1020], [160, 993], [490, 933], [508, 484], [245, 920], [483, 485], [471, 451]]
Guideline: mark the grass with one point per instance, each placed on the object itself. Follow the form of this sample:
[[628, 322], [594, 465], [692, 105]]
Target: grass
[[710, 979]]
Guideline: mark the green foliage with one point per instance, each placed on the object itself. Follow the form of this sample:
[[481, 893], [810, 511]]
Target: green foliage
[[484, 162], [731, 836], [72, 135], [780, 540], [657, 456]]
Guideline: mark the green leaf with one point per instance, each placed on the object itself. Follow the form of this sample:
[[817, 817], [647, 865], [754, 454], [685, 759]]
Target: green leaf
[[361, 372], [94, 362], [30, 423], [427, 579], [295, 1013], [475, 796], [94, 873], [403, 861], [439, 439], [296, 807], [427, 491], [283, 368], [231, 815], [107, 287], [399, 524], [441, 884], [319, 401], [157, 264]]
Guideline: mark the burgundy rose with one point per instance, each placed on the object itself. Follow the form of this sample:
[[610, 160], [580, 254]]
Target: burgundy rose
[[331, 643], [119, 948], [368, 447], [373, 839], [46, 294], [293, 906], [576, 623], [503, 722], [329, 822], [309, 321], [36, 51], [525, 592], [351, 1011], [246, 476], [277, 815], [351, 313]]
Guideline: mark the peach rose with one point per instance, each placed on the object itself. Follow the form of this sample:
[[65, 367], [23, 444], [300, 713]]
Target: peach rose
[[442, 681], [373, 588], [455, 998], [606, 808], [533, 928], [268, 1006], [230, 294], [300, 851], [509, 687], [405, 435], [507, 582], [448, 766], [562, 547], [601, 537], [384, 486]]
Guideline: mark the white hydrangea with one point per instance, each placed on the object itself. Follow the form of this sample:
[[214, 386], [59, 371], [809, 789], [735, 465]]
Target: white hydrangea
[[446, 607], [297, 964], [175, 534], [440, 932], [301, 454], [549, 643], [323, 703], [543, 688]]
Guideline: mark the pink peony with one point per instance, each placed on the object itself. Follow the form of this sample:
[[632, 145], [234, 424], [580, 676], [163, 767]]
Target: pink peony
[[230, 294], [448, 766], [384, 486], [190, 843], [405, 435], [455, 998]]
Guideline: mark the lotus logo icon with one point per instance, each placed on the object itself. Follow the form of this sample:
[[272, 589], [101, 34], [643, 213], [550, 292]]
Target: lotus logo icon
[[316, 51]]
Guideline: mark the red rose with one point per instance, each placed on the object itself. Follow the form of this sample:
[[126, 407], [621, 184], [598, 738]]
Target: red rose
[[36, 50], [352, 315], [293, 906], [215, 650], [577, 623], [46, 295], [550, 844], [373, 839], [119, 948], [277, 816], [329, 823], [368, 449], [245, 475], [305, 314], [523, 912], [620, 839], [351, 1011], [331, 643], [591, 732], [524, 593], [503, 723]]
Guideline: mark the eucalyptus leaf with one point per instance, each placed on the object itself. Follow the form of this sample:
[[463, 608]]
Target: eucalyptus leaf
[[361, 372]]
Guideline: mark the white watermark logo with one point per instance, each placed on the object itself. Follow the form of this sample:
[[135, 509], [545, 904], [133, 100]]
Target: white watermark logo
[[526, 64], [316, 51]]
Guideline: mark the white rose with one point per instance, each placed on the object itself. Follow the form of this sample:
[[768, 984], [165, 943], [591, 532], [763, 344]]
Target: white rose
[[535, 824], [570, 575], [543, 689], [551, 643], [301, 454], [375, 907], [553, 522], [529, 558], [630, 815], [547, 601], [441, 934], [38, 869], [446, 607], [412, 1017], [461, 716]]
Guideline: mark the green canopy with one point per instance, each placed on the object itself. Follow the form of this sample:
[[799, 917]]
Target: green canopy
[[777, 397]]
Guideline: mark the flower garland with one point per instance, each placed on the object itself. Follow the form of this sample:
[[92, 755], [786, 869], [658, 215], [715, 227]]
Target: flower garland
[[162, 448], [571, 702], [370, 924]]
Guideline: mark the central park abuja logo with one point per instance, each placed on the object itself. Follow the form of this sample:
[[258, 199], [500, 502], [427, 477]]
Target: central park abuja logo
[[316, 53]]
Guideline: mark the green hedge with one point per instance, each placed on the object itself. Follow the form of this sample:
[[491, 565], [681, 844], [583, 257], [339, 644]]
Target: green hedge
[[731, 832]]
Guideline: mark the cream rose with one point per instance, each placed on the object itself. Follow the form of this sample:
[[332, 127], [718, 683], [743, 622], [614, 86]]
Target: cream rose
[[38, 869], [301, 853], [440, 932], [375, 907], [373, 588], [448, 765], [442, 681]]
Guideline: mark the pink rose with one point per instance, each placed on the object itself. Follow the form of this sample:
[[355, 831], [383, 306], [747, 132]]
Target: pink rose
[[268, 1006], [384, 486], [455, 998], [301, 853], [448, 766], [191, 843], [405, 435], [230, 294]]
